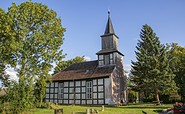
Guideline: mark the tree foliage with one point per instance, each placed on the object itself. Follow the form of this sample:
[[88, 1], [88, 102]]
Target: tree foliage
[[151, 71], [40, 89], [5, 48], [177, 54], [21, 96], [64, 64], [32, 35]]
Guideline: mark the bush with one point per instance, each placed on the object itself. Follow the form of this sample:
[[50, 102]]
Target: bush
[[132, 96], [43, 105], [5, 108]]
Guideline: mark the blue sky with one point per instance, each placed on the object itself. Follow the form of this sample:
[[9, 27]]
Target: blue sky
[[85, 21]]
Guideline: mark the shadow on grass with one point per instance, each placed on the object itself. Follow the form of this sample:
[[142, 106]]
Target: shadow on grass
[[129, 107], [80, 113], [158, 111]]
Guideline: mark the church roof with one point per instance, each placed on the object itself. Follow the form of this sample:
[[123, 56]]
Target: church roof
[[84, 70], [106, 51], [109, 27]]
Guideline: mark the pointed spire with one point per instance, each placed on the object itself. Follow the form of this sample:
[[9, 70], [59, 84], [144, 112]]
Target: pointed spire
[[109, 28]]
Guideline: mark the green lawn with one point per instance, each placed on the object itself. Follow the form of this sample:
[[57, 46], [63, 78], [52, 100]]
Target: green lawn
[[130, 109]]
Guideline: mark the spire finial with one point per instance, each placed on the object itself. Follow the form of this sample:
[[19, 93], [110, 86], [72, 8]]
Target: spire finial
[[108, 12], [109, 28]]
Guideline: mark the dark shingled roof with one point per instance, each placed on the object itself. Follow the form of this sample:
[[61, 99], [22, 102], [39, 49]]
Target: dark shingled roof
[[106, 51], [84, 70], [109, 28]]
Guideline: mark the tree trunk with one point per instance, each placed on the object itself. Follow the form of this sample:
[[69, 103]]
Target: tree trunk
[[157, 97], [41, 99]]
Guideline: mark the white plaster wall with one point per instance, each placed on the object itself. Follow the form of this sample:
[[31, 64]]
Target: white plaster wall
[[108, 91]]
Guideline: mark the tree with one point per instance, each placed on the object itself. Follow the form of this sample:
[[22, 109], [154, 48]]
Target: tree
[[35, 34], [2, 66], [64, 64], [132, 93], [40, 89], [5, 47], [151, 71], [177, 64]]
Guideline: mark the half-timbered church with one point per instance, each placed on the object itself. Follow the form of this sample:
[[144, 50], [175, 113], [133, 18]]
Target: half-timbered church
[[93, 82]]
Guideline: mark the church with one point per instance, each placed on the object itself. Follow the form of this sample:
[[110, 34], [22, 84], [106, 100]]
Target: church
[[98, 82]]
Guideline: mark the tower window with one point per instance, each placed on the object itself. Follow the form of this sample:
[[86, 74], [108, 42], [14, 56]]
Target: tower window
[[106, 59], [111, 59], [101, 60], [100, 57]]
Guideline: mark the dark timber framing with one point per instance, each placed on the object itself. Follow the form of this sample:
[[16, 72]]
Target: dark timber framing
[[76, 90]]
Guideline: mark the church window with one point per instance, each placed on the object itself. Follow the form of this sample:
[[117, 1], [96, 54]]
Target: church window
[[89, 89], [65, 96], [52, 84], [77, 83], [100, 81], [71, 84], [65, 84], [61, 90]]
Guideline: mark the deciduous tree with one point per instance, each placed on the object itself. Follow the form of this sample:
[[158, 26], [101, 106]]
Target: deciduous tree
[[177, 54], [32, 35], [64, 64]]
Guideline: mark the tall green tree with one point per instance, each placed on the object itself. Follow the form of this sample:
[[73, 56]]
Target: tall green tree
[[151, 71], [177, 64], [5, 47], [33, 35], [64, 64], [2, 66]]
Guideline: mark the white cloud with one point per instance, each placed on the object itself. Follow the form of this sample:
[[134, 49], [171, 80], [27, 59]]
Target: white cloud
[[52, 70], [12, 74], [87, 58], [127, 67]]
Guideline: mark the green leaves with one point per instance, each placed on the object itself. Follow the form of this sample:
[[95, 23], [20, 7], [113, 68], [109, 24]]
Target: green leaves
[[64, 64], [31, 35], [38, 34], [177, 54]]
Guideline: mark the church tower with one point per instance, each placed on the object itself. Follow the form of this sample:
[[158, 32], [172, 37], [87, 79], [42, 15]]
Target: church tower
[[109, 55]]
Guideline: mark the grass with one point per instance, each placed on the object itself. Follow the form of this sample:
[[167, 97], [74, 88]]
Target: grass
[[130, 109]]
